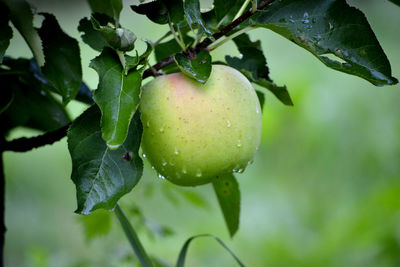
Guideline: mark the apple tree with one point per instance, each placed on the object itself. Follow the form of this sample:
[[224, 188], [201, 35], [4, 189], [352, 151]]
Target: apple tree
[[197, 120]]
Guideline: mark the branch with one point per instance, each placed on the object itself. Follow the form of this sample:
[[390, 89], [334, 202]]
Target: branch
[[25, 144], [206, 42]]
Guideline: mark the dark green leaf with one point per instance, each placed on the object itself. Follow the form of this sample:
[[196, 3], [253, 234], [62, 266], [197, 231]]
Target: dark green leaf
[[6, 98], [182, 254], [164, 50], [227, 190], [198, 68], [118, 38], [193, 15], [22, 18], [156, 11], [102, 176], [90, 35], [224, 7], [5, 30], [111, 8], [96, 224], [31, 104], [261, 98], [63, 62], [396, 2], [330, 27], [254, 66], [117, 95], [175, 10], [194, 198]]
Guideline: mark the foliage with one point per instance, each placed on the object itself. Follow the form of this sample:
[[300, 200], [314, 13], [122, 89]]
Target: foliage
[[104, 140]]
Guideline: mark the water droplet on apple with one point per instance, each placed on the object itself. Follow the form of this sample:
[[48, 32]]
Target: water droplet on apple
[[164, 163], [240, 170], [228, 123], [160, 176], [161, 129], [144, 155], [153, 167], [184, 170], [198, 173], [148, 124], [176, 151]]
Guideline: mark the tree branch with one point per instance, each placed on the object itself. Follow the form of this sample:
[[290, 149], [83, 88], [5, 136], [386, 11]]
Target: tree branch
[[25, 144], [206, 42]]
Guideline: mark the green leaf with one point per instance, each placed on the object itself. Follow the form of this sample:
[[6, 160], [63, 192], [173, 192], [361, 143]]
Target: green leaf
[[102, 176], [22, 19], [117, 38], [224, 7], [156, 11], [5, 30], [330, 27], [193, 16], [96, 224], [182, 254], [261, 98], [198, 68], [396, 2], [254, 66], [63, 62], [111, 8], [227, 190], [31, 104], [175, 10], [90, 35], [117, 95]]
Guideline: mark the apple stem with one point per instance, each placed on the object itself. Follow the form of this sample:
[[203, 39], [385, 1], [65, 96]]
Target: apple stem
[[133, 238]]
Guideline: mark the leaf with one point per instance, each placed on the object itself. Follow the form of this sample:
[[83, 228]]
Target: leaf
[[330, 27], [90, 35], [102, 176], [5, 30], [156, 11], [175, 10], [96, 224], [182, 254], [227, 190], [193, 16], [22, 18], [198, 68], [117, 95], [396, 2], [254, 66], [63, 62], [224, 7], [31, 104], [111, 8], [261, 98]]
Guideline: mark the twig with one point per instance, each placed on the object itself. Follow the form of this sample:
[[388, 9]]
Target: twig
[[206, 42], [25, 144]]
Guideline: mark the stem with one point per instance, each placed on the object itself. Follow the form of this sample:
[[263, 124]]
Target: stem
[[121, 56], [132, 238], [181, 44], [228, 38], [162, 38], [254, 6], [241, 10], [2, 207], [198, 37]]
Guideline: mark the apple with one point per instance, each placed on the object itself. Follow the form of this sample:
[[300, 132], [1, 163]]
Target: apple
[[193, 132]]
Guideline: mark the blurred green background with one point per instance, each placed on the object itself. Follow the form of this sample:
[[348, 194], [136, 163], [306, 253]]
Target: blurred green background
[[324, 189]]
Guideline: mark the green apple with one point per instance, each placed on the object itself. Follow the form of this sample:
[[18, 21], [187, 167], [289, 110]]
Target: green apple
[[193, 132]]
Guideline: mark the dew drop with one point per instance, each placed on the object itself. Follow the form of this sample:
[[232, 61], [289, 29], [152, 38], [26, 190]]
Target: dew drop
[[240, 170], [250, 162], [164, 163], [152, 167], [184, 170], [198, 173], [161, 129], [144, 155], [330, 26], [228, 123], [178, 175], [171, 163], [148, 124], [176, 151], [234, 170], [160, 176], [239, 143]]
